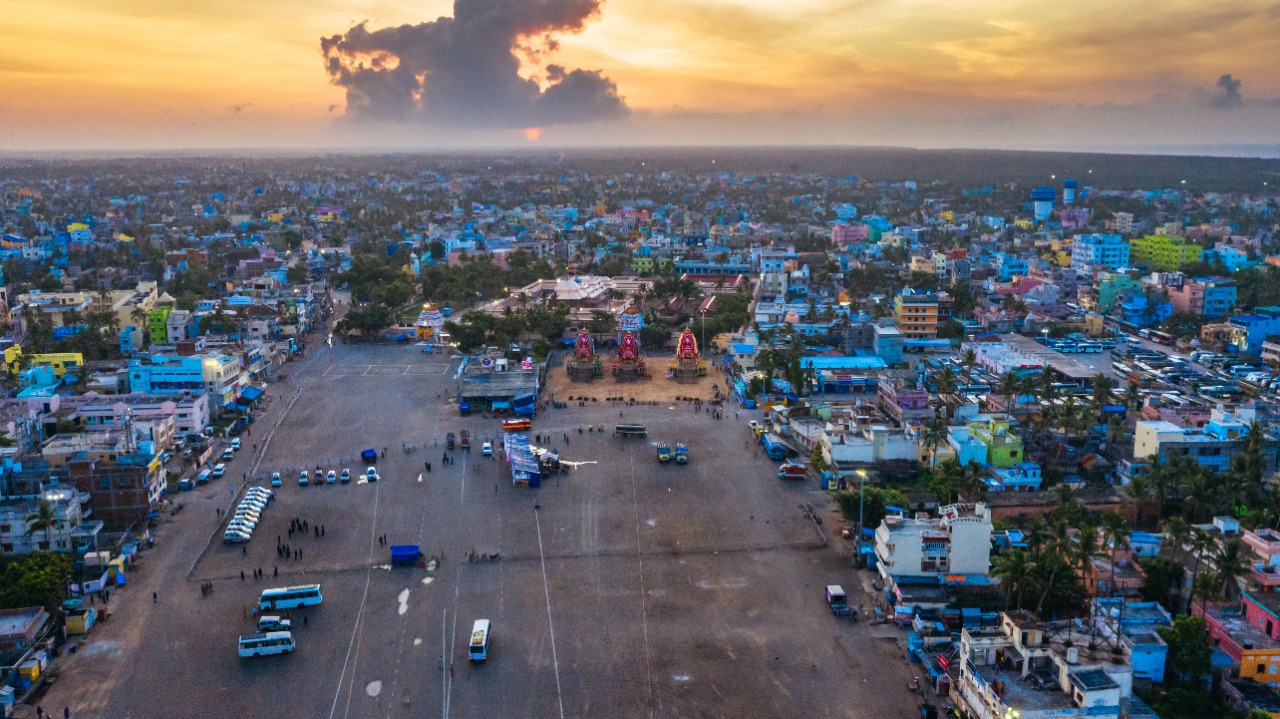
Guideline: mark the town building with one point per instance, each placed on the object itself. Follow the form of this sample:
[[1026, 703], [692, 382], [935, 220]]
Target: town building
[[124, 481], [1004, 448], [916, 314], [958, 543], [902, 404], [1099, 251], [1031, 669], [1249, 332], [1163, 253], [1213, 446], [1137, 624], [1202, 296], [73, 530], [1248, 632]]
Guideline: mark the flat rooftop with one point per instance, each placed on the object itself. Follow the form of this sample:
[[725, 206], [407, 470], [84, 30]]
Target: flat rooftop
[[1239, 629], [1068, 366], [1026, 694]]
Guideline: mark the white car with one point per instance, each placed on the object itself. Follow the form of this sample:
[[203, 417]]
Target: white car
[[241, 527], [302, 478], [486, 449], [232, 536], [275, 479], [346, 476], [249, 512], [258, 502], [331, 477], [235, 444], [260, 493], [371, 474], [219, 469], [228, 454]]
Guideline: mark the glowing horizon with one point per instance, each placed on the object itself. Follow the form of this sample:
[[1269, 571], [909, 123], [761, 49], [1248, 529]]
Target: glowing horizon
[[1013, 73]]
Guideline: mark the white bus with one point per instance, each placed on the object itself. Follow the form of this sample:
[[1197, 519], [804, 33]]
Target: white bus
[[305, 595], [480, 635], [263, 644]]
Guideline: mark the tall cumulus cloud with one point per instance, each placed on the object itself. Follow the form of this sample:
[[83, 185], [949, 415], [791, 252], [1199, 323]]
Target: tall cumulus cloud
[[1230, 95], [464, 70]]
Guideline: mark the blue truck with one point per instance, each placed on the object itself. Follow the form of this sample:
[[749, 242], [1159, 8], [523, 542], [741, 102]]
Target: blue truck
[[773, 446]]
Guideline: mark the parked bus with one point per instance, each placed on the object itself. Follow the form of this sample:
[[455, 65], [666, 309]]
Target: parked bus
[[481, 633], [266, 643], [306, 595]]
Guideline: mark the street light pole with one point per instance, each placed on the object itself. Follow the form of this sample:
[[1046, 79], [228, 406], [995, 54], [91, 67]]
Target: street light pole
[[704, 331], [862, 493]]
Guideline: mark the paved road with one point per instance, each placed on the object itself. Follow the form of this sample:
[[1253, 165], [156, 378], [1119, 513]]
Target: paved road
[[624, 588]]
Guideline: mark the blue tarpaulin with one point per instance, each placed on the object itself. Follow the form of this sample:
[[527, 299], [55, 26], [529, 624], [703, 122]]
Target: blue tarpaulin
[[237, 408], [524, 466], [253, 394]]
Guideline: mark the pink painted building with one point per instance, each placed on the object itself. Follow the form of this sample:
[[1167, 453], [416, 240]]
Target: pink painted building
[[846, 234]]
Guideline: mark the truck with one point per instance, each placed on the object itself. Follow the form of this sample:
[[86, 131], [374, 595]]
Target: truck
[[405, 554], [664, 452], [682, 454], [792, 470], [450, 440], [465, 441], [524, 424], [773, 446]]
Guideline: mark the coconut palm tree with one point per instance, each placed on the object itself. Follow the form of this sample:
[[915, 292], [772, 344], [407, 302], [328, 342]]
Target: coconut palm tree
[[1014, 570], [1178, 530], [1231, 560], [45, 519], [1010, 385], [934, 436], [946, 380], [1115, 530], [969, 361], [1057, 547], [1133, 396], [1103, 390], [1201, 541]]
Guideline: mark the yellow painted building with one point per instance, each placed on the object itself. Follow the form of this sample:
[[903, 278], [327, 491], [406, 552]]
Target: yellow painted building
[[916, 314], [59, 361]]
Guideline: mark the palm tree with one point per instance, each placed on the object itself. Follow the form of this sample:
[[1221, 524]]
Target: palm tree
[[1058, 546], [1200, 542], [969, 361], [1014, 569], [1232, 562], [1103, 390], [1161, 479], [1115, 530], [935, 435], [1178, 530], [44, 518], [1010, 385], [1133, 396], [946, 379], [1139, 490]]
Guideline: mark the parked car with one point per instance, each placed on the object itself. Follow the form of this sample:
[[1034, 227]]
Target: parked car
[[219, 469], [346, 476], [486, 449], [371, 474], [319, 477], [302, 478], [235, 444], [275, 479], [234, 536], [331, 477], [273, 623], [228, 454]]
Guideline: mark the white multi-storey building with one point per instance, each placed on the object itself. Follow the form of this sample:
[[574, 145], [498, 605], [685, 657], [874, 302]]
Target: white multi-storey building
[[1109, 252]]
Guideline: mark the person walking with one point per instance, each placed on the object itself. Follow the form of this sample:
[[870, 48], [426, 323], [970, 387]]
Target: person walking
[[154, 598], [242, 575]]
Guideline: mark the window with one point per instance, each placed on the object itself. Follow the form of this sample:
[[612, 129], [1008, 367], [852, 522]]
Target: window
[[1262, 669]]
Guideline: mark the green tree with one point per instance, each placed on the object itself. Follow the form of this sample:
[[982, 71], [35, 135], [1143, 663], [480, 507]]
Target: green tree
[[1160, 576], [1188, 643], [39, 579], [873, 511]]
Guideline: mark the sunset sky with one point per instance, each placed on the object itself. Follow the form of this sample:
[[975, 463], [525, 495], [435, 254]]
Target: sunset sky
[[1087, 74]]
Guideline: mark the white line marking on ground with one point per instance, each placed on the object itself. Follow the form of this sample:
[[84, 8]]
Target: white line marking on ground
[[555, 661]]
